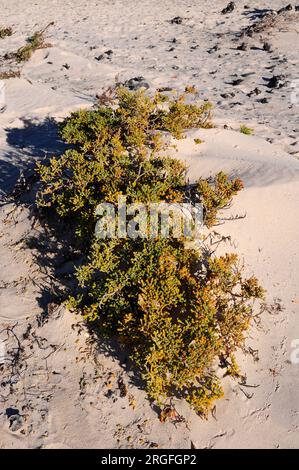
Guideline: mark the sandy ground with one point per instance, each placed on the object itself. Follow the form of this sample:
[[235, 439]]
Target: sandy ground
[[60, 388]]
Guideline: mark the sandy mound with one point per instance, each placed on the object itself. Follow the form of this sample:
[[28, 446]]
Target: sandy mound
[[251, 158]]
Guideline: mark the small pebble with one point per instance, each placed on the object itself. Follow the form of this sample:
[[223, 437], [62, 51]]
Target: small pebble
[[229, 8]]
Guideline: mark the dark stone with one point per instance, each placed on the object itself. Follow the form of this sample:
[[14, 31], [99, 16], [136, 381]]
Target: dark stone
[[287, 8], [11, 412], [15, 419], [242, 47], [229, 8], [136, 82], [236, 82], [263, 100], [256, 92], [267, 47], [247, 74], [106, 54], [109, 394], [176, 20], [213, 49], [277, 81], [227, 95]]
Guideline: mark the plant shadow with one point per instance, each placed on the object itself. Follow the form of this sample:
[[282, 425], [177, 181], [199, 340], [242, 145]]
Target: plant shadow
[[33, 141], [257, 13], [36, 139]]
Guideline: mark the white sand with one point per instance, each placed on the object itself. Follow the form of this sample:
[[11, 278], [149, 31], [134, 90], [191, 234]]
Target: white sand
[[67, 393]]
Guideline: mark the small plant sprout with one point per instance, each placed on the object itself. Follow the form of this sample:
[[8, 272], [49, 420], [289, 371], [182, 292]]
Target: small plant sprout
[[246, 130]]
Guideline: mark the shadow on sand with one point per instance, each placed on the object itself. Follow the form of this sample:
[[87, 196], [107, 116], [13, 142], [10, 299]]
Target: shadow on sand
[[257, 13], [34, 141]]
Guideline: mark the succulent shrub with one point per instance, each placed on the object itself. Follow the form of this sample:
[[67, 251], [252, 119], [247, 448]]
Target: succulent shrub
[[180, 311]]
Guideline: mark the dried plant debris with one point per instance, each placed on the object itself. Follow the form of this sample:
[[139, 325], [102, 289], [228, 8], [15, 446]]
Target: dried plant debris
[[266, 22], [283, 9], [271, 20], [5, 32], [229, 8], [135, 83], [10, 74], [169, 413]]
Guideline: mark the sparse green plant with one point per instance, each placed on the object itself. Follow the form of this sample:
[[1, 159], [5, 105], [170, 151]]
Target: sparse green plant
[[178, 310], [34, 42], [216, 194], [4, 32], [246, 130]]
